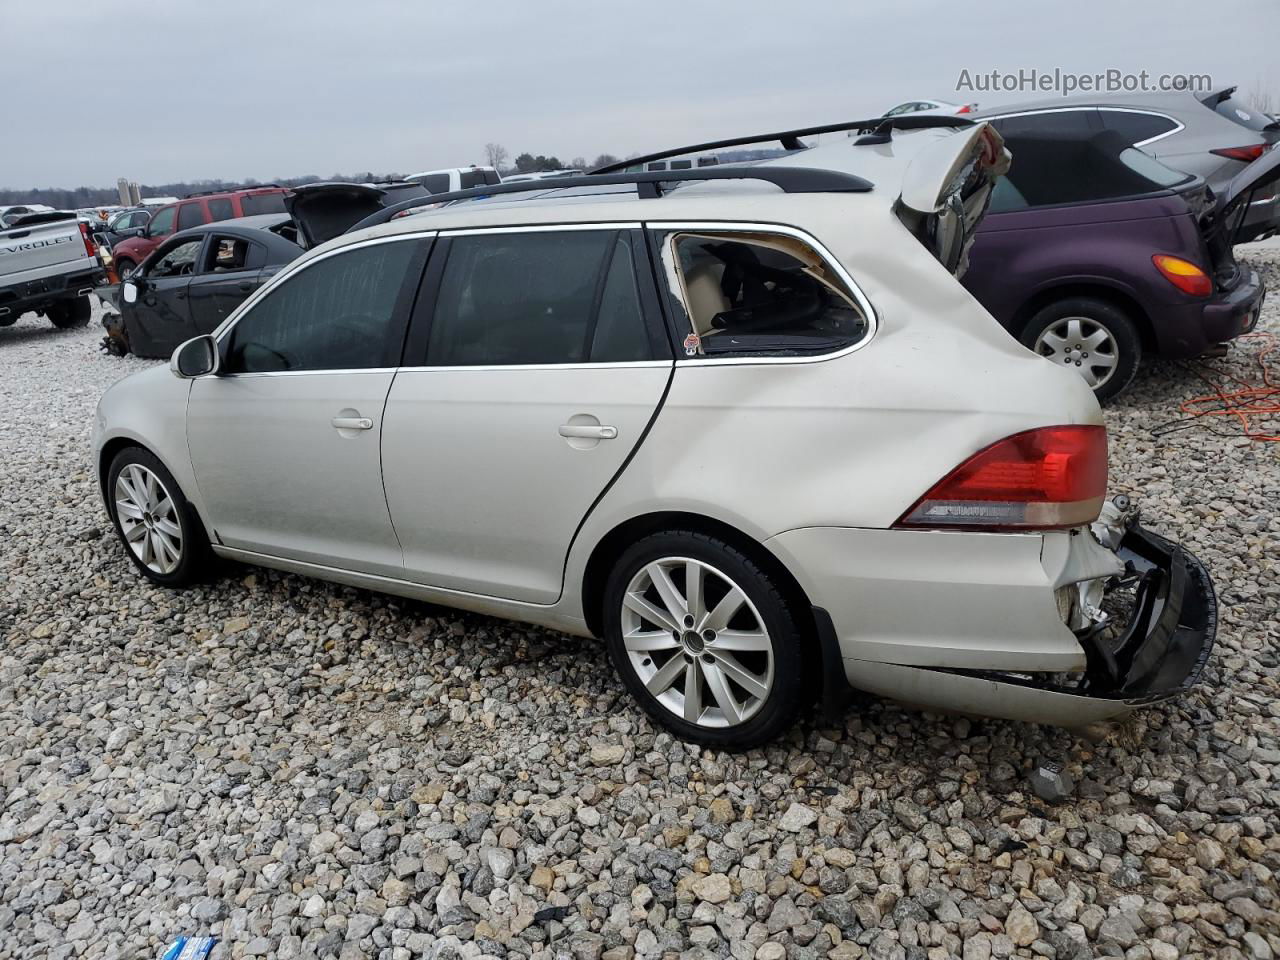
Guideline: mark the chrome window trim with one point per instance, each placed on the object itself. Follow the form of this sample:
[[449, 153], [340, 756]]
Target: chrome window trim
[[541, 228], [738, 226], [611, 365], [1178, 125], [295, 268], [327, 372]]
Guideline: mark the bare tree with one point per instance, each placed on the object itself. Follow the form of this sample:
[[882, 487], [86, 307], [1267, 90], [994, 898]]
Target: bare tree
[[1262, 100], [496, 154]]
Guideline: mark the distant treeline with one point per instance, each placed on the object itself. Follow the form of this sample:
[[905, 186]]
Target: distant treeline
[[65, 199]]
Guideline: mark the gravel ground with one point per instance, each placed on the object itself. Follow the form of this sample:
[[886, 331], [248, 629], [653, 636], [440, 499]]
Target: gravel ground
[[307, 770]]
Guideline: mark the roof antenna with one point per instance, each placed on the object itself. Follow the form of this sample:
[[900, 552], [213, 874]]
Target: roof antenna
[[881, 134]]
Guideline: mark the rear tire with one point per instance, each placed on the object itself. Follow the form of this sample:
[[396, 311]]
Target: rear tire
[[70, 313], [1094, 338], [157, 526], [721, 679]]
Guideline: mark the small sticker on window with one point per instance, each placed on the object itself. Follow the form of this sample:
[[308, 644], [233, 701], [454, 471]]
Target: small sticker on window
[[692, 345]]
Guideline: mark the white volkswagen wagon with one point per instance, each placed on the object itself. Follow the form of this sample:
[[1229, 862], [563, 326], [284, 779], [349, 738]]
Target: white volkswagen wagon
[[743, 424]]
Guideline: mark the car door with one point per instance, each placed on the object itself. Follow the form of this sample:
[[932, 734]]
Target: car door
[[535, 364], [284, 439], [160, 317], [230, 269]]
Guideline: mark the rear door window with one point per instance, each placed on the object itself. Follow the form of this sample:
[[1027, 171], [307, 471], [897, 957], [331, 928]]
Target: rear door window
[[538, 297], [252, 204], [191, 215], [435, 182], [232, 254], [220, 209], [1137, 127], [762, 294]]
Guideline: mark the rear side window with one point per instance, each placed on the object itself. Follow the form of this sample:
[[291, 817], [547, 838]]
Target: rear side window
[[758, 294], [191, 215], [1237, 112], [252, 204], [538, 297], [1136, 127], [220, 209], [339, 313], [435, 183], [232, 254], [1050, 170]]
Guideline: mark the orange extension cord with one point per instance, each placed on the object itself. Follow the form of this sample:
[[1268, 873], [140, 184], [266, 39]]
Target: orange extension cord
[[1246, 402]]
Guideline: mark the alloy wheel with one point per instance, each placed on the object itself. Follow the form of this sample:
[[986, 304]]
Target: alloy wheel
[[148, 519], [1082, 344], [697, 642]]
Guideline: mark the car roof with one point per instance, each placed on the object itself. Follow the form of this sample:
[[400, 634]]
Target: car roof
[[740, 200], [258, 227], [1177, 102]]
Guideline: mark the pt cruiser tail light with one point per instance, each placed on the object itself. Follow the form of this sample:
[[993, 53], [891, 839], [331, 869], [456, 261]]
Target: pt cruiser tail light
[[1184, 275], [1037, 480]]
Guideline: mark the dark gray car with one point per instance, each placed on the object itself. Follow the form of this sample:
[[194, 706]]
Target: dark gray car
[[1214, 136]]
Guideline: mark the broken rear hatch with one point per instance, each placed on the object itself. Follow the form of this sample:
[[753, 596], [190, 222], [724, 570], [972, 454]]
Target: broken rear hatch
[[323, 211]]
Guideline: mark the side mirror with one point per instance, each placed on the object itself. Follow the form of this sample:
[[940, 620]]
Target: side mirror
[[129, 291], [198, 357], [138, 231]]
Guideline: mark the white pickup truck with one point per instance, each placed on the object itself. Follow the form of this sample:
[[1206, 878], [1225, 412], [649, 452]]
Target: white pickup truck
[[48, 265]]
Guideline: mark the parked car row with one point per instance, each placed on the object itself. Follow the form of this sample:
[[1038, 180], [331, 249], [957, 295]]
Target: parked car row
[[742, 421]]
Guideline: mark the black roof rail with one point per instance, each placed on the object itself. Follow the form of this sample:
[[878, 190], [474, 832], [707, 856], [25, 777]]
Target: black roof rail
[[210, 193], [790, 139], [649, 185]]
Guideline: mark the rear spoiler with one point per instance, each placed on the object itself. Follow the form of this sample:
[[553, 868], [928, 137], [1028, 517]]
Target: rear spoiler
[[45, 216]]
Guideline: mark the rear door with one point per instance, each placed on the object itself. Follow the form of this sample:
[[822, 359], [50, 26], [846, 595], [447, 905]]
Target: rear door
[[230, 269], [535, 364]]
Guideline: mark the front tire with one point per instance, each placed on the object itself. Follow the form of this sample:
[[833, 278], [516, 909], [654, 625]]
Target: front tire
[[704, 640], [124, 266], [158, 527], [1091, 337], [70, 313]]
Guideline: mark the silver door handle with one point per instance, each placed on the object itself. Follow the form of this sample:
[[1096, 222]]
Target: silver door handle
[[587, 432], [352, 423]]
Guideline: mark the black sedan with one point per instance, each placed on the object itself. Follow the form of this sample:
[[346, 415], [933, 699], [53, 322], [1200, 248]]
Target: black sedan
[[191, 282]]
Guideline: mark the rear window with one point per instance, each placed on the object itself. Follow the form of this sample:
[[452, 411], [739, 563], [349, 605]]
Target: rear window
[[477, 178], [1137, 127], [758, 294], [253, 204], [1237, 112]]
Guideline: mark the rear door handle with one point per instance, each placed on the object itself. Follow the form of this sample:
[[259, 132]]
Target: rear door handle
[[588, 431], [352, 423]]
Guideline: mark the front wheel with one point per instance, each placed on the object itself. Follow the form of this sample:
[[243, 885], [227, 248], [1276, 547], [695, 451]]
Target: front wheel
[[124, 267], [1092, 338], [158, 527], [70, 313], [704, 639]]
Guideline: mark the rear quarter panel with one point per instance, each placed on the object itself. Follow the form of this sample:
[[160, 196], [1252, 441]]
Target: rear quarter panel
[[1021, 256]]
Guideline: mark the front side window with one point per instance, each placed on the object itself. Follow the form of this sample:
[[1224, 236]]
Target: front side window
[[758, 294], [177, 261], [162, 223], [338, 313], [538, 297], [191, 215]]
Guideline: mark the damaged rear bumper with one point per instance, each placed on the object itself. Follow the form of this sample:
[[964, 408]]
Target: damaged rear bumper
[[1159, 654]]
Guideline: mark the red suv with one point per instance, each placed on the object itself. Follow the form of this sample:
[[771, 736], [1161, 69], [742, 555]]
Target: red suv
[[192, 212]]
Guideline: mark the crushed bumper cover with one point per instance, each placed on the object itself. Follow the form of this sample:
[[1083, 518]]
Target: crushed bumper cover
[[1159, 655]]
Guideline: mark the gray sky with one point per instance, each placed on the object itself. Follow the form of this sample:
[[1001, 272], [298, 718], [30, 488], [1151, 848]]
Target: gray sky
[[278, 88]]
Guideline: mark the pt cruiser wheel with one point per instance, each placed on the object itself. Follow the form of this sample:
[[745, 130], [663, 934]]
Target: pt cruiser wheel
[[1090, 337], [704, 640], [156, 524]]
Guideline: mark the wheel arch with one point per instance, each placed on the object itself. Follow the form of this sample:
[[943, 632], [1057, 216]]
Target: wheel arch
[[112, 448], [1092, 289]]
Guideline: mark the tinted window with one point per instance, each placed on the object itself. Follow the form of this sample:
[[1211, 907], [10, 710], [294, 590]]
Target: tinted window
[[1060, 122], [255, 203], [337, 314], [191, 215], [520, 298], [220, 208], [1237, 112], [162, 222], [760, 294], [1136, 127], [473, 178], [435, 183], [178, 261], [1064, 169]]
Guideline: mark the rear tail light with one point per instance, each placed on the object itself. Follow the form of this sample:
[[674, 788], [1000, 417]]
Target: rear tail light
[[89, 247], [1041, 479], [967, 108], [1184, 275], [1243, 154]]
